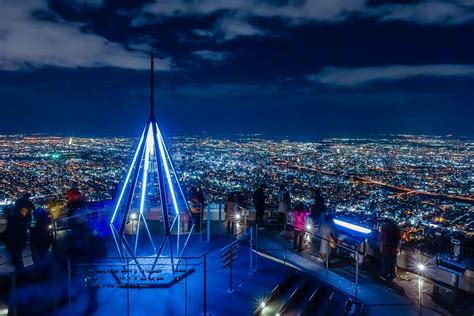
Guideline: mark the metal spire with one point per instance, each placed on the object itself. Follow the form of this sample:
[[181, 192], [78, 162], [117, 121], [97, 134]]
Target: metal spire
[[152, 86]]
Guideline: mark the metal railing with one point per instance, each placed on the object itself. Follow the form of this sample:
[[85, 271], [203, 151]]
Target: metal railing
[[308, 236]]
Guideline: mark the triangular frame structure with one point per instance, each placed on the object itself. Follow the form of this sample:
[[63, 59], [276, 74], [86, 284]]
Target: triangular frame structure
[[151, 148]]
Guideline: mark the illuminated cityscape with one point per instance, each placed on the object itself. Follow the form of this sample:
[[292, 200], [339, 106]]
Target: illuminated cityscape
[[363, 179]]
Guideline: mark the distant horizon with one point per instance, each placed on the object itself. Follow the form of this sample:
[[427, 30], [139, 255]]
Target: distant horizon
[[256, 135]]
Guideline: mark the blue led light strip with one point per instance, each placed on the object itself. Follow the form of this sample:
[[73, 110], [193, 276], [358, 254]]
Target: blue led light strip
[[167, 171], [174, 171], [146, 165], [356, 228], [128, 176]]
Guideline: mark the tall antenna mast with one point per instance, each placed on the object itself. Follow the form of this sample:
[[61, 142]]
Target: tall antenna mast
[[152, 85]]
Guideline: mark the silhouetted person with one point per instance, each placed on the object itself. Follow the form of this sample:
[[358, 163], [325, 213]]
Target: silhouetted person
[[24, 203], [86, 244], [16, 234], [328, 233], [41, 237], [390, 236], [229, 210], [284, 202], [318, 209], [195, 204], [299, 224], [259, 202], [200, 196]]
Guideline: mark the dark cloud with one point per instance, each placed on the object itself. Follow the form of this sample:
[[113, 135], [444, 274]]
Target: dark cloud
[[278, 67]]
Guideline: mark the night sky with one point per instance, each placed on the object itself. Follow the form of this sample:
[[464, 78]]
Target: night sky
[[282, 68]]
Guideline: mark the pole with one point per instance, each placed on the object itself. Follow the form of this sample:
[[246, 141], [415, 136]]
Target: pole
[[13, 293], [327, 261], [200, 222], [186, 290], [128, 287], [205, 286], [68, 281], [251, 272], [152, 85], [209, 223], [256, 246], [420, 293], [220, 218]]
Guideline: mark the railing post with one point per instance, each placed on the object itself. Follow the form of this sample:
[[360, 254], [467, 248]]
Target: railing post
[[69, 281], [220, 218], [256, 246], [200, 222], [357, 275], [327, 260], [209, 222], [251, 272], [186, 290], [128, 286], [230, 290], [55, 283], [13, 292]]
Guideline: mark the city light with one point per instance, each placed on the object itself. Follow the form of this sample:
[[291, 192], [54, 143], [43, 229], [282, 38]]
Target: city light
[[354, 227]]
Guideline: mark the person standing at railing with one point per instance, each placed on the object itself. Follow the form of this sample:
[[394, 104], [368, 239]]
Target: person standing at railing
[[41, 237], [318, 209], [284, 202], [25, 203], [259, 202], [390, 236], [328, 234], [195, 206], [299, 224], [16, 234], [229, 209]]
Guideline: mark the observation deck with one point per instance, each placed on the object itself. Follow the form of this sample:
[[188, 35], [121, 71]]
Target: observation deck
[[267, 278]]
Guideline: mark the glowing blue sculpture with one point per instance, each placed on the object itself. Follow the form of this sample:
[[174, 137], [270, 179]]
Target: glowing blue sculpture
[[151, 184]]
